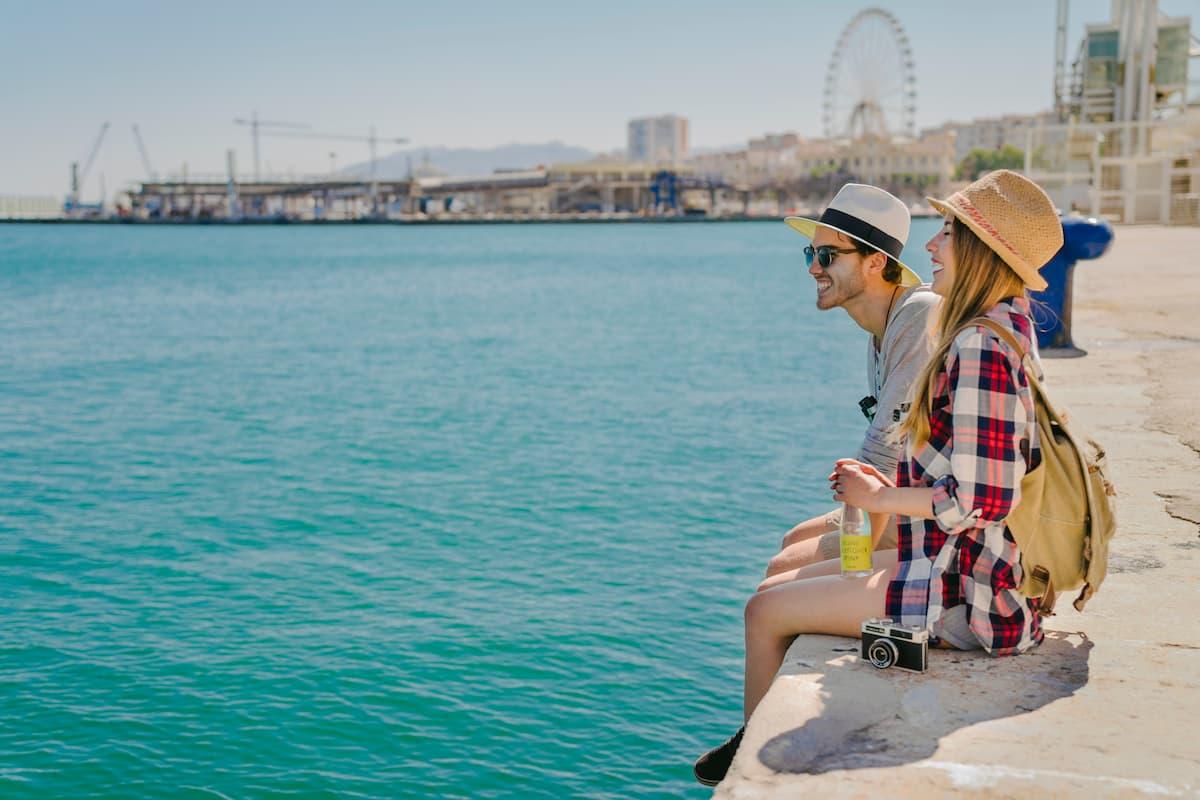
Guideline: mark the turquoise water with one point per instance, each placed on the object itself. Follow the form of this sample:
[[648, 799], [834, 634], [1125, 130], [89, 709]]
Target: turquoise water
[[397, 512]]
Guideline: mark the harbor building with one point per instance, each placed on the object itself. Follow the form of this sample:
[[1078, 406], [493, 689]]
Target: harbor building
[[304, 199], [29, 207], [572, 189], [783, 172], [1126, 145], [904, 167], [657, 140], [1122, 141], [993, 133]]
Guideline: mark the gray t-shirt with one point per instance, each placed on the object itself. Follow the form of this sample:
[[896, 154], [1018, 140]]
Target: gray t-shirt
[[892, 369]]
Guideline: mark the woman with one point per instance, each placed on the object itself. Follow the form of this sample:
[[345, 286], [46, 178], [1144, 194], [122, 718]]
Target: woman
[[969, 439]]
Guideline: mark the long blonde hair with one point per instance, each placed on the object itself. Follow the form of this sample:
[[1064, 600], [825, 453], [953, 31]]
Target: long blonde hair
[[981, 280]]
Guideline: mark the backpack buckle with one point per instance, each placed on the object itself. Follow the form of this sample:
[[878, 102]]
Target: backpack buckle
[[1040, 578]]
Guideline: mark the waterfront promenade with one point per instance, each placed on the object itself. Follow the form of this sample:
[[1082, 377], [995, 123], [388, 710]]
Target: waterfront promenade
[[1107, 706]]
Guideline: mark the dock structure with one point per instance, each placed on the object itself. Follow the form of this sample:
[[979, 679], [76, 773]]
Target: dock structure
[[561, 189], [1109, 686], [299, 200]]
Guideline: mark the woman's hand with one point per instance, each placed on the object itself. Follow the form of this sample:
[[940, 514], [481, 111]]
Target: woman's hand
[[872, 470], [858, 484], [868, 468]]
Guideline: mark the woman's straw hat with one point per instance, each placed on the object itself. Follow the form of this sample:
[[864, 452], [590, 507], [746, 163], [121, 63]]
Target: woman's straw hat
[[1014, 217]]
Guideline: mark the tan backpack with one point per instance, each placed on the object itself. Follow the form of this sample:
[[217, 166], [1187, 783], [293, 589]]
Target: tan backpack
[[1066, 514]]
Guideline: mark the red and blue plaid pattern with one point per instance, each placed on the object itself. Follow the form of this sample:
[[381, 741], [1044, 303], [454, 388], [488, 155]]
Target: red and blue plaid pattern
[[982, 440]]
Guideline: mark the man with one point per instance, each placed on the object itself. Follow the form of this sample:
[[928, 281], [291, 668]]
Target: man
[[854, 259]]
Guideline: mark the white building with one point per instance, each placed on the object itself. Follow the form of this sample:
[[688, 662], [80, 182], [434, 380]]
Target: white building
[[1129, 145], [993, 133], [15, 207], [910, 168], [653, 140]]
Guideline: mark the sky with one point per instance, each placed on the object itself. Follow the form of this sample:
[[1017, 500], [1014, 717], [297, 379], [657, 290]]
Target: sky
[[469, 74]]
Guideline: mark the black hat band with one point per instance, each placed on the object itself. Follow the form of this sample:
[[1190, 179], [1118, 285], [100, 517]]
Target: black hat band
[[868, 233]]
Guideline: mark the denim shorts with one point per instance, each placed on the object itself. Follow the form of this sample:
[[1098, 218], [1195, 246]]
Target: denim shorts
[[953, 629]]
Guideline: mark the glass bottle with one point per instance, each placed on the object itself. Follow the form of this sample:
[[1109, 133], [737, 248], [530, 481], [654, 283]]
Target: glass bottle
[[856, 543]]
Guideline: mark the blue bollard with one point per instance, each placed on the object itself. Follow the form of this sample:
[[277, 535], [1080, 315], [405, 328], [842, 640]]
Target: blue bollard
[[1083, 238]]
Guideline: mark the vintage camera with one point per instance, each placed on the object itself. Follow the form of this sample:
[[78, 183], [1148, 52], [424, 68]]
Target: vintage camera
[[885, 645]]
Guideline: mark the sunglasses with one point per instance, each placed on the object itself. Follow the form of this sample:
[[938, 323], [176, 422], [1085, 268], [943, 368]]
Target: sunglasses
[[826, 254]]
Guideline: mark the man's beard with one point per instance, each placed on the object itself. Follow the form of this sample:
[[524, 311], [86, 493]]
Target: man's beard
[[840, 292]]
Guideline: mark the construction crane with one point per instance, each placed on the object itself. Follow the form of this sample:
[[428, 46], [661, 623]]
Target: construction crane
[[78, 178], [141, 146], [255, 123], [372, 140]]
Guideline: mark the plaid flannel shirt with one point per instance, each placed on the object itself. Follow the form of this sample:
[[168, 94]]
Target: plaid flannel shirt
[[982, 440]]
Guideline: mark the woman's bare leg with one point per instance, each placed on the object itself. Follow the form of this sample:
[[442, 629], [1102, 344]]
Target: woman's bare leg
[[880, 559], [826, 604]]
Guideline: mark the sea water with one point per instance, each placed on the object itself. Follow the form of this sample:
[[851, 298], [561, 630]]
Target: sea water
[[463, 511]]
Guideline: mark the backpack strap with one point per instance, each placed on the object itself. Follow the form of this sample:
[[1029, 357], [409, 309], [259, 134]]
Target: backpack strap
[[1008, 338], [998, 329], [1049, 596]]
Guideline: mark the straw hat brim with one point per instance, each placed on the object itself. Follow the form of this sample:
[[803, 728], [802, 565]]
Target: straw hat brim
[[808, 227], [1026, 271]]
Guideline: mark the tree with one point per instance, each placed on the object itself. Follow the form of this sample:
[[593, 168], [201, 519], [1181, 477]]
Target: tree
[[979, 161]]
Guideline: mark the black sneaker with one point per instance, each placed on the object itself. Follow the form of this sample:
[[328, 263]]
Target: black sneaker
[[711, 767]]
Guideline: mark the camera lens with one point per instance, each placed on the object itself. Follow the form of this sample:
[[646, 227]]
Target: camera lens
[[882, 653]]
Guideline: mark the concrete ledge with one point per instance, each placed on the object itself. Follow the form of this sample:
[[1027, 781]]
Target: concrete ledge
[[1108, 706]]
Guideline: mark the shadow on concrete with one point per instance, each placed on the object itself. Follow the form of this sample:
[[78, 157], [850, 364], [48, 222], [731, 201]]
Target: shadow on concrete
[[856, 716]]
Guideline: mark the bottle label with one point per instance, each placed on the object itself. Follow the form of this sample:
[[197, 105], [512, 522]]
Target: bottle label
[[856, 553]]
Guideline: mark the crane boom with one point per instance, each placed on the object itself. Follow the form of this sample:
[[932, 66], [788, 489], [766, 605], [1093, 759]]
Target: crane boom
[[268, 123], [332, 136], [137, 136], [372, 141], [255, 123], [92, 156]]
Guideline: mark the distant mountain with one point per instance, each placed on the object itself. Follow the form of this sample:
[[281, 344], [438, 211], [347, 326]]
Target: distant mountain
[[469, 161]]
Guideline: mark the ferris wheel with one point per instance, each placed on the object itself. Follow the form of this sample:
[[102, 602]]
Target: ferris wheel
[[871, 86]]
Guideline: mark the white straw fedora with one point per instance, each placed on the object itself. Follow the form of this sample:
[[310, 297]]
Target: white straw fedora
[[1013, 216], [869, 215]]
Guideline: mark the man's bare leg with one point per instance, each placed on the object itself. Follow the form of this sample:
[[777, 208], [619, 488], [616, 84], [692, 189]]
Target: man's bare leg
[[880, 559], [815, 540], [803, 554], [802, 544], [812, 528]]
